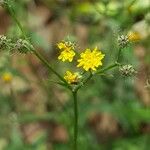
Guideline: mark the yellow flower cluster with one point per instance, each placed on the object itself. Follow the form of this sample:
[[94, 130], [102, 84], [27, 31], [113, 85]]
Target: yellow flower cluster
[[71, 77], [89, 60], [134, 36], [7, 77], [67, 51]]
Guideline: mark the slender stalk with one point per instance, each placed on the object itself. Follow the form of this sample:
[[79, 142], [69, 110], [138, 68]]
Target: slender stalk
[[74, 92], [44, 61], [75, 144], [12, 13], [83, 82], [119, 55], [39, 56], [108, 68]]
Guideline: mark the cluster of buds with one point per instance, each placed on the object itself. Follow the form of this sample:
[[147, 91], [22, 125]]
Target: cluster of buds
[[23, 46], [5, 43], [127, 70], [123, 41], [70, 44]]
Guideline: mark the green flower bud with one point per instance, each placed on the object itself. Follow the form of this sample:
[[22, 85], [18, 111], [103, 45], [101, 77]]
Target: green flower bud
[[127, 70], [123, 41], [5, 43], [23, 46]]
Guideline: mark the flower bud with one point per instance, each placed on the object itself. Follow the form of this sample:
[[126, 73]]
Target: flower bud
[[23, 46], [127, 70], [5, 43], [70, 43], [123, 41]]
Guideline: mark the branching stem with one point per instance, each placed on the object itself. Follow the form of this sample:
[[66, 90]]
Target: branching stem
[[38, 55]]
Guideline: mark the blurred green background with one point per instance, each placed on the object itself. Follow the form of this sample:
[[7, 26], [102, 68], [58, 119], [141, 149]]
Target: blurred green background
[[114, 111]]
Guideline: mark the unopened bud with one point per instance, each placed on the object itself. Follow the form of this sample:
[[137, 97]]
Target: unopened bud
[[5, 43], [23, 46], [70, 43], [123, 41], [127, 70]]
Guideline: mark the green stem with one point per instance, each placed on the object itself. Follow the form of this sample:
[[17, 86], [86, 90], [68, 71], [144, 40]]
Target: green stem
[[119, 55], [12, 13], [75, 144], [108, 68], [83, 82], [74, 92], [40, 57], [87, 79]]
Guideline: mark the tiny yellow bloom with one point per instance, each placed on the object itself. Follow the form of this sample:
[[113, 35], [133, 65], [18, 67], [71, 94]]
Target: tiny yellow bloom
[[71, 77], [67, 51], [134, 36], [7, 77], [90, 59], [61, 45], [66, 55]]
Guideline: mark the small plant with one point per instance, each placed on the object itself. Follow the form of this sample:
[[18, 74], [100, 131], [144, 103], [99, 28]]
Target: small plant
[[90, 62]]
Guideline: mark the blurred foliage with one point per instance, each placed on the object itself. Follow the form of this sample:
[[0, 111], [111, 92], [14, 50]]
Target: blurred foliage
[[103, 21]]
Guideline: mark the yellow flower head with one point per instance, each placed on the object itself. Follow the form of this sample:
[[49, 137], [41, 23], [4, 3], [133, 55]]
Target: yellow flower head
[[90, 59], [7, 77], [67, 51], [134, 36], [71, 77]]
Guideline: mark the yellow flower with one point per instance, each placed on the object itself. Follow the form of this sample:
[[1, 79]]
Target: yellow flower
[[7, 77], [90, 59], [67, 51], [134, 36], [71, 77]]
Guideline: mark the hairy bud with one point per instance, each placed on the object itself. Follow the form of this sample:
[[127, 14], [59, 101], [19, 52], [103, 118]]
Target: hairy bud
[[23, 46], [127, 70], [5, 43], [123, 41]]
